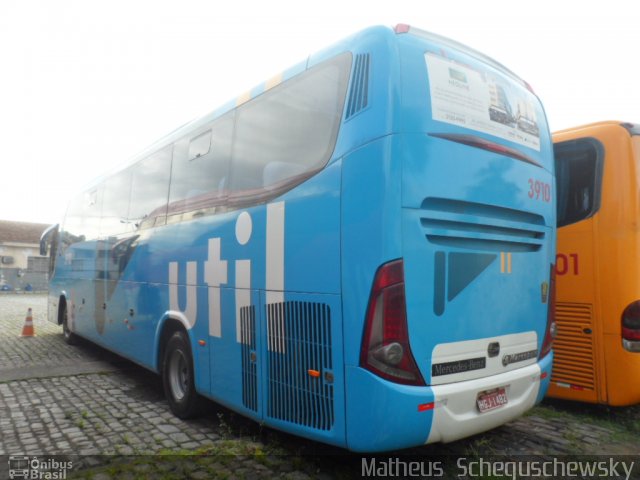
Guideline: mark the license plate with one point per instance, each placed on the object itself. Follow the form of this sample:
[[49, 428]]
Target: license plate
[[491, 399]]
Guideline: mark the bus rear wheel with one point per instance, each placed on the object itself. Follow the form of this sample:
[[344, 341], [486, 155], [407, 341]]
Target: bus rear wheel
[[69, 337], [178, 377]]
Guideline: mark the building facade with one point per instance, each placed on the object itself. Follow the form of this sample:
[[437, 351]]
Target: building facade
[[21, 265]]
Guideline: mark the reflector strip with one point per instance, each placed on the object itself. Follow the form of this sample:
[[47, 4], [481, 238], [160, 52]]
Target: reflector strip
[[563, 385], [426, 406], [505, 268], [478, 142], [313, 373]]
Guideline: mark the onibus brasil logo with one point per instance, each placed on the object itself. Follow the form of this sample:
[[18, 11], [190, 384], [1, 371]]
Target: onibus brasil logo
[[35, 468]]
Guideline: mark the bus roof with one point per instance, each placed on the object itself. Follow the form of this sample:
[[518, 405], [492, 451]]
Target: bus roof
[[294, 70], [632, 128], [433, 37]]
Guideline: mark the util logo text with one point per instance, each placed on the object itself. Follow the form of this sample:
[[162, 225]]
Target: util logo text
[[216, 272]]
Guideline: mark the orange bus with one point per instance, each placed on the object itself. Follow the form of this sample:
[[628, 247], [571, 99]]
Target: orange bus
[[597, 348]]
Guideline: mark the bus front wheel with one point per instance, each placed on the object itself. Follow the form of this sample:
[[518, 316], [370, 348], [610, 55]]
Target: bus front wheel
[[69, 337], [178, 377]]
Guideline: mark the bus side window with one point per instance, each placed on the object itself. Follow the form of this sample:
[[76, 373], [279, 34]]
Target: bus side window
[[199, 145], [200, 170], [578, 178], [289, 132], [115, 205], [275, 172], [82, 221], [71, 226], [150, 190]]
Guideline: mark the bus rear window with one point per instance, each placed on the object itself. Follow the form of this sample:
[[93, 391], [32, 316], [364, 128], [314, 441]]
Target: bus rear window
[[578, 179]]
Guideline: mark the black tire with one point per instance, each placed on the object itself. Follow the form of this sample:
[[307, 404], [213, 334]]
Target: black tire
[[178, 377], [69, 337]]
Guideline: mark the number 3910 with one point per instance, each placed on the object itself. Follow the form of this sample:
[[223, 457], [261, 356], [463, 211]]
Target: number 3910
[[539, 190]]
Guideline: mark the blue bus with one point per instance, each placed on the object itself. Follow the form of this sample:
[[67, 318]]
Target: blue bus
[[355, 251]]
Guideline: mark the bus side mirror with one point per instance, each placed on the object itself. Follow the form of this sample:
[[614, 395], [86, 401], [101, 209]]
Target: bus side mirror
[[45, 239]]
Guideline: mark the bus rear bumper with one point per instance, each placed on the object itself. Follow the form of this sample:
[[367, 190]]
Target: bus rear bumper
[[383, 416], [456, 414]]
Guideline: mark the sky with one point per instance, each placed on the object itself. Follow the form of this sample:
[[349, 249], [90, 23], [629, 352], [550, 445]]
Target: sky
[[86, 84]]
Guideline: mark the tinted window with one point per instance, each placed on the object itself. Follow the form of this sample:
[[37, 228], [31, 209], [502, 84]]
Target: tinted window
[[578, 179], [150, 190], [289, 132], [200, 170], [115, 204]]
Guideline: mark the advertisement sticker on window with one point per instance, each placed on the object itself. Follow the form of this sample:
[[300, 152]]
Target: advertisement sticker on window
[[482, 101]]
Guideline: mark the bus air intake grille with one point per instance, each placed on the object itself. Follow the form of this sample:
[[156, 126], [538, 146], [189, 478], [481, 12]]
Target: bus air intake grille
[[248, 348], [479, 226], [359, 93], [573, 352], [299, 366]]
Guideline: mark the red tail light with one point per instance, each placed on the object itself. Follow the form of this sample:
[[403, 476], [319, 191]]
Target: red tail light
[[385, 346], [631, 327], [550, 332]]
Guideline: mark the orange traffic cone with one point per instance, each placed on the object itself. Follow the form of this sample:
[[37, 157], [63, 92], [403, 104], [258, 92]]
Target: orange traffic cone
[[27, 330]]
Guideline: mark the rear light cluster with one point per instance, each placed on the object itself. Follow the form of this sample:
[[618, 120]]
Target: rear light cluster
[[550, 333], [385, 346], [631, 327]]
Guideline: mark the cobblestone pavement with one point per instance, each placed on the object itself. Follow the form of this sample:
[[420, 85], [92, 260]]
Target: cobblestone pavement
[[57, 399]]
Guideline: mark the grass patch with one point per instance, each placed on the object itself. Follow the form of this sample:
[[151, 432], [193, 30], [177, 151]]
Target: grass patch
[[223, 459], [597, 415]]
